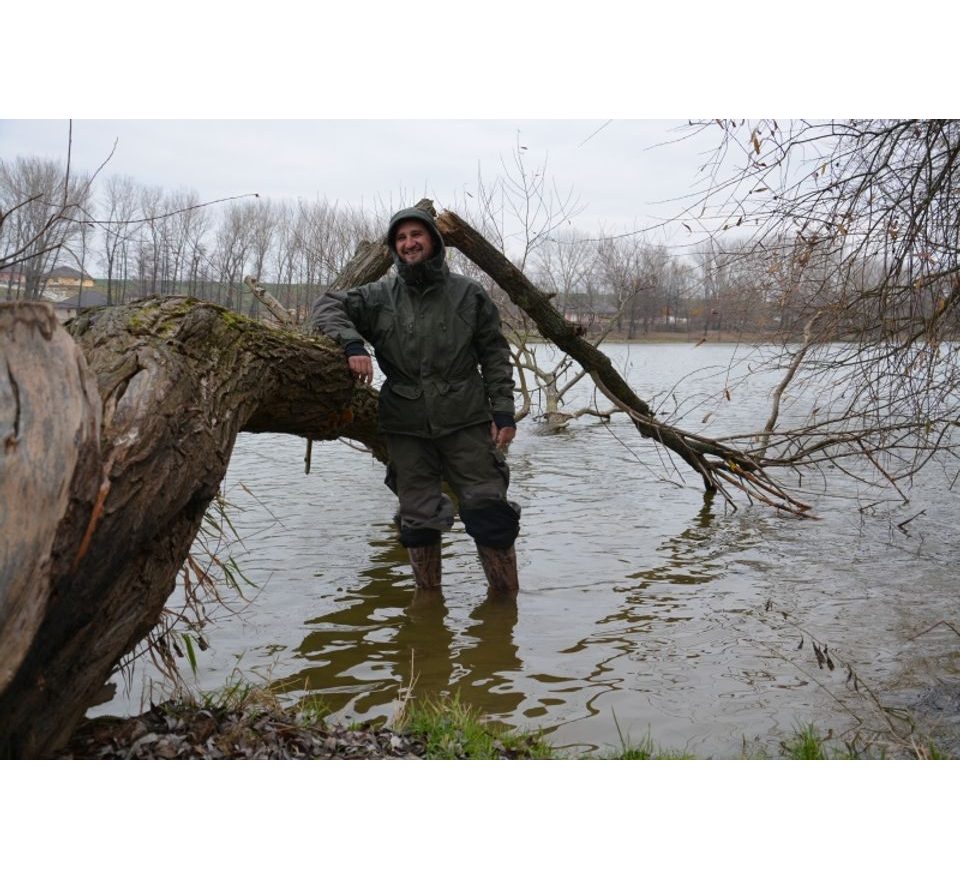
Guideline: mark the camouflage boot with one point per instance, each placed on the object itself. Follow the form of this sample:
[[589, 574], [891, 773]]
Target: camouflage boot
[[425, 562], [500, 567]]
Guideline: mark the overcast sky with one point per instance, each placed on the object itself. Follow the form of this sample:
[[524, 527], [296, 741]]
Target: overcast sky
[[617, 170]]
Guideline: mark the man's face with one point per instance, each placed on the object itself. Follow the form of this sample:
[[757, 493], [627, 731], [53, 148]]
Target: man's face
[[413, 241]]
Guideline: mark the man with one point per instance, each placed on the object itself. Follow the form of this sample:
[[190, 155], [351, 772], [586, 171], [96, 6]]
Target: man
[[446, 405]]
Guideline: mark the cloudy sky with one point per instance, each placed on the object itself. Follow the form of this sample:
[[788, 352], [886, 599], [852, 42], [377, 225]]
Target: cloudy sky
[[619, 172]]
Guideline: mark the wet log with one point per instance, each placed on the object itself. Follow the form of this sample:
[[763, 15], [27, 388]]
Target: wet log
[[115, 438]]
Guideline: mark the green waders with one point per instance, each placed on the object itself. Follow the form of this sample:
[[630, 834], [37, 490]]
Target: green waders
[[477, 472]]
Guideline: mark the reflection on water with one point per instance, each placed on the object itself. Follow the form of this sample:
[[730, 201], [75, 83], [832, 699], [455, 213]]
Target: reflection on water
[[383, 638], [489, 662], [643, 610]]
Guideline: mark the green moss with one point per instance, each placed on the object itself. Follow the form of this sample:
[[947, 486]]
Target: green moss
[[237, 321]]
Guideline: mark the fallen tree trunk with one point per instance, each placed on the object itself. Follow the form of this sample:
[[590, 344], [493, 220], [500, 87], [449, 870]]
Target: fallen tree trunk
[[718, 464], [371, 261], [95, 528]]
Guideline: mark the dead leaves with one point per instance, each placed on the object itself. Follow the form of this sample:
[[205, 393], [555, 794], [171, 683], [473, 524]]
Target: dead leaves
[[171, 731]]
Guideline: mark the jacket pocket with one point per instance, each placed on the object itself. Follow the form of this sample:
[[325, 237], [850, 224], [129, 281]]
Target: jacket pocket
[[461, 403], [407, 392], [402, 409]]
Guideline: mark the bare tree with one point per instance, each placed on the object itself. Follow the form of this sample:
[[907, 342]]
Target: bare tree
[[263, 227], [679, 288], [522, 208], [525, 214], [720, 464], [149, 241], [198, 268], [118, 209], [564, 266], [287, 257], [863, 217], [232, 252], [40, 203], [326, 236], [179, 233], [621, 264]]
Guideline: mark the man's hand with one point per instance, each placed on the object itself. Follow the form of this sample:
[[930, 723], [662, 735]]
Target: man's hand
[[361, 368], [503, 437]]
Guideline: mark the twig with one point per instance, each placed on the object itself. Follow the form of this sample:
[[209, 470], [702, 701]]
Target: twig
[[923, 632], [902, 525]]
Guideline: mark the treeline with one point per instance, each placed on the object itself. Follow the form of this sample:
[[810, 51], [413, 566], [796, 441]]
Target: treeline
[[140, 241]]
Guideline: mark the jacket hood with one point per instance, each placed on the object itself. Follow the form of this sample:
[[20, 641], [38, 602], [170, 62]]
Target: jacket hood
[[430, 271]]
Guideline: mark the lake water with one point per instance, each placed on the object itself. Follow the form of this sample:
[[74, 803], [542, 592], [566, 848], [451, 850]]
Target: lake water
[[643, 611]]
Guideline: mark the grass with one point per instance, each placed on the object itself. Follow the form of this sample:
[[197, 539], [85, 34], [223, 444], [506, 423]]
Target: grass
[[455, 731], [808, 744], [645, 750], [805, 745], [449, 729], [452, 730]]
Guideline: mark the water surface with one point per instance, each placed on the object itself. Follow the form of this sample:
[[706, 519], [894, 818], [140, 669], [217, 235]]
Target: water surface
[[643, 610]]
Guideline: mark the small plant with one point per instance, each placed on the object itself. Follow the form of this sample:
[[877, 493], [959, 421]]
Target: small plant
[[645, 750], [210, 582], [237, 695], [806, 745], [312, 710], [454, 731]]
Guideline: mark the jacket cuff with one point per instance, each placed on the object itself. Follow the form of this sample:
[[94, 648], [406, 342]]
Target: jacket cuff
[[504, 420], [354, 349]]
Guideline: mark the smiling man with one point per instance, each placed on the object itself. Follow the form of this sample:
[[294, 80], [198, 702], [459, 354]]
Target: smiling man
[[446, 404], [412, 241]]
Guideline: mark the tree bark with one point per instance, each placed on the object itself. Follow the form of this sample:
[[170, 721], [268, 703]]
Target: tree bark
[[370, 262], [49, 466], [95, 528]]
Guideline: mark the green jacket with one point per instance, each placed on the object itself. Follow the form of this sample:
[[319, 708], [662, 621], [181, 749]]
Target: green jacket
[[437, 339]]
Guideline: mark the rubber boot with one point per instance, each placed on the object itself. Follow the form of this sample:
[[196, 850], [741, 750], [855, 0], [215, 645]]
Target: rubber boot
[[425, 562], [500, 567]]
